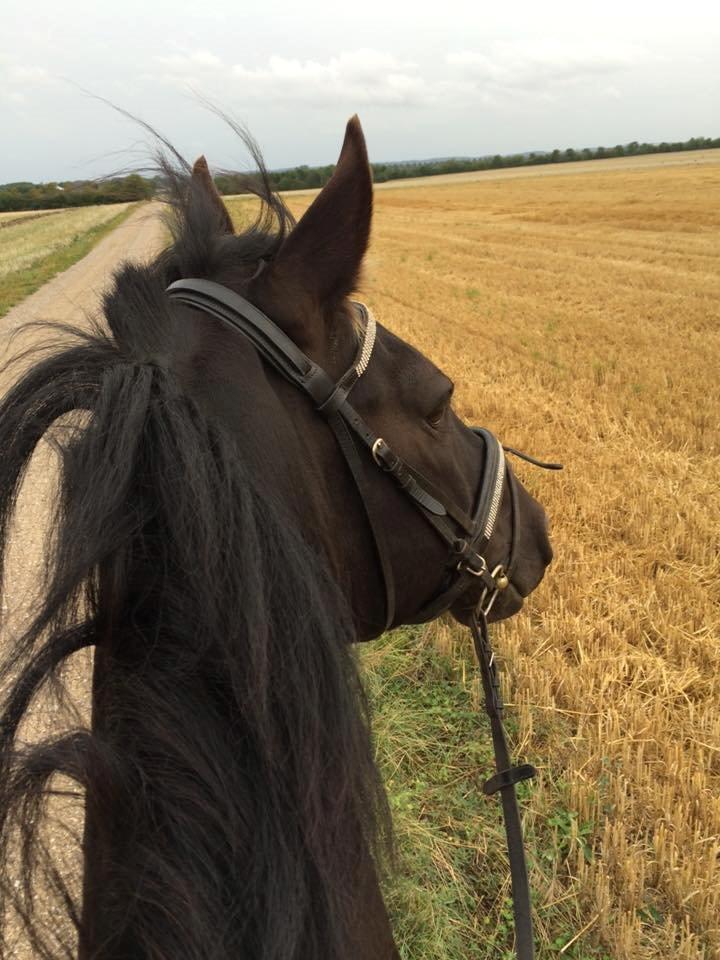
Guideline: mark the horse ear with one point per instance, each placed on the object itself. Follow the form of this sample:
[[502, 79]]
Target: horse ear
[[321, 259], [202, 180]]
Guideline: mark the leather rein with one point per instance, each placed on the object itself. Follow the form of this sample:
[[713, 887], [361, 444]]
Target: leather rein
[[467, 535]]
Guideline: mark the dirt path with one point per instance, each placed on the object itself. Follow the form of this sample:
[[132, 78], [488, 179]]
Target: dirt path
[[79, 288], [69, 297]]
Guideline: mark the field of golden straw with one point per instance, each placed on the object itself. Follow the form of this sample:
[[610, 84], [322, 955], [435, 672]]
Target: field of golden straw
[[579, 316], [36, 234]]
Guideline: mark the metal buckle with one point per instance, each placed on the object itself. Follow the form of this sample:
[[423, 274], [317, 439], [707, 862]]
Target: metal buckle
[[464, 566], [376, 447], [498, 574]]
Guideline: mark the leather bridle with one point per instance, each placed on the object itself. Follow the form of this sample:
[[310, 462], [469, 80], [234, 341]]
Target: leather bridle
[[466, 535]]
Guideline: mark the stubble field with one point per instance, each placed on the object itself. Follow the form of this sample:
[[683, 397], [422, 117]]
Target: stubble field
[[35, 245], [579, 316]]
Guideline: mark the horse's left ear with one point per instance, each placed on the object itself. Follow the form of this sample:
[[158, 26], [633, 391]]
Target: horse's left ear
[[320, 261], [202, 180]]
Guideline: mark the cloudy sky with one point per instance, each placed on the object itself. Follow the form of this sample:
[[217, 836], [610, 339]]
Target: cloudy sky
[[427, 79]]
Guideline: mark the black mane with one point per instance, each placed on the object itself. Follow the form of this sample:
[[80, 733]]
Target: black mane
[[234, 734], [200, 246]]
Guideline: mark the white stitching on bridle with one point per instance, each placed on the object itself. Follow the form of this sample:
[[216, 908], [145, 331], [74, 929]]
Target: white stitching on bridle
[[368, 343]]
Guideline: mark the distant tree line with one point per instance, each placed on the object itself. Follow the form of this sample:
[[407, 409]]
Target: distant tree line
[[78, 193], [303, 177], [45, 196]]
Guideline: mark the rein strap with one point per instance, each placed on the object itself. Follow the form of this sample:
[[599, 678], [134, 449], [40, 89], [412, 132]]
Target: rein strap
[[504, 781]]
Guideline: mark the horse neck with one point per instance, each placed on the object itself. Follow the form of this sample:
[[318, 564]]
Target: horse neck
[[196, 839]]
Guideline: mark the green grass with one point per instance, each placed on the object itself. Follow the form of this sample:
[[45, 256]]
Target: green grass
[[449, 895], [19, 284]]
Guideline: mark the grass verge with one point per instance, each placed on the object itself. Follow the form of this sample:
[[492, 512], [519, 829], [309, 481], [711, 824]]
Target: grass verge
[[15, 286], [449, 896]]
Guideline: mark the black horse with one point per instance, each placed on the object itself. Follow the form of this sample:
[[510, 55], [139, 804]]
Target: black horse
[[210, 544]]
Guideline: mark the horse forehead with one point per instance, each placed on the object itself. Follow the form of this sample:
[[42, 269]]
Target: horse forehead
[[406, 368]]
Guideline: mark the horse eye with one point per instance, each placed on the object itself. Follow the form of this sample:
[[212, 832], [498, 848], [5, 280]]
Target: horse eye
[[436, 417]]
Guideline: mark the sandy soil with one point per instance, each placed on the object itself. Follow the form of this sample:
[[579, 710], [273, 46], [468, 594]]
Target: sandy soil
[[78, 289], [67, 298]]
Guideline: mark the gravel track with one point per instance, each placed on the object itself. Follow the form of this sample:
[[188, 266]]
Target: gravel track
[[70, 297]]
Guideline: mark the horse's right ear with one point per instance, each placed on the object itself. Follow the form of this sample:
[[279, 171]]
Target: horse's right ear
[[202, 180]]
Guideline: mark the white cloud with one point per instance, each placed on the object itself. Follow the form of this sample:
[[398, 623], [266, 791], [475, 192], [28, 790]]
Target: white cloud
[[15, 74], [611, 92], [193, 60], [427, 81], [362, 77], [539, 71], [17, 80], [542, 68]]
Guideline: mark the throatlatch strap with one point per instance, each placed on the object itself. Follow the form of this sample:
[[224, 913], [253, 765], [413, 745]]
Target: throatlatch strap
[[504, 782]]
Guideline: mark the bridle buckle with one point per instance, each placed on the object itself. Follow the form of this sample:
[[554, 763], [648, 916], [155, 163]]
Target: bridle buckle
[[379, 451], [489, 595], [465, 566]]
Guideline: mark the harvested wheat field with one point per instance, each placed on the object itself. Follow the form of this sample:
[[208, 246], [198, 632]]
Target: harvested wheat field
[[29, 237], [10, 217], [36, 245], [579, 316]]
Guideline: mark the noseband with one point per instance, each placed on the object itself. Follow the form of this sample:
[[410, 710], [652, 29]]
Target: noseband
[[466, 535]]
